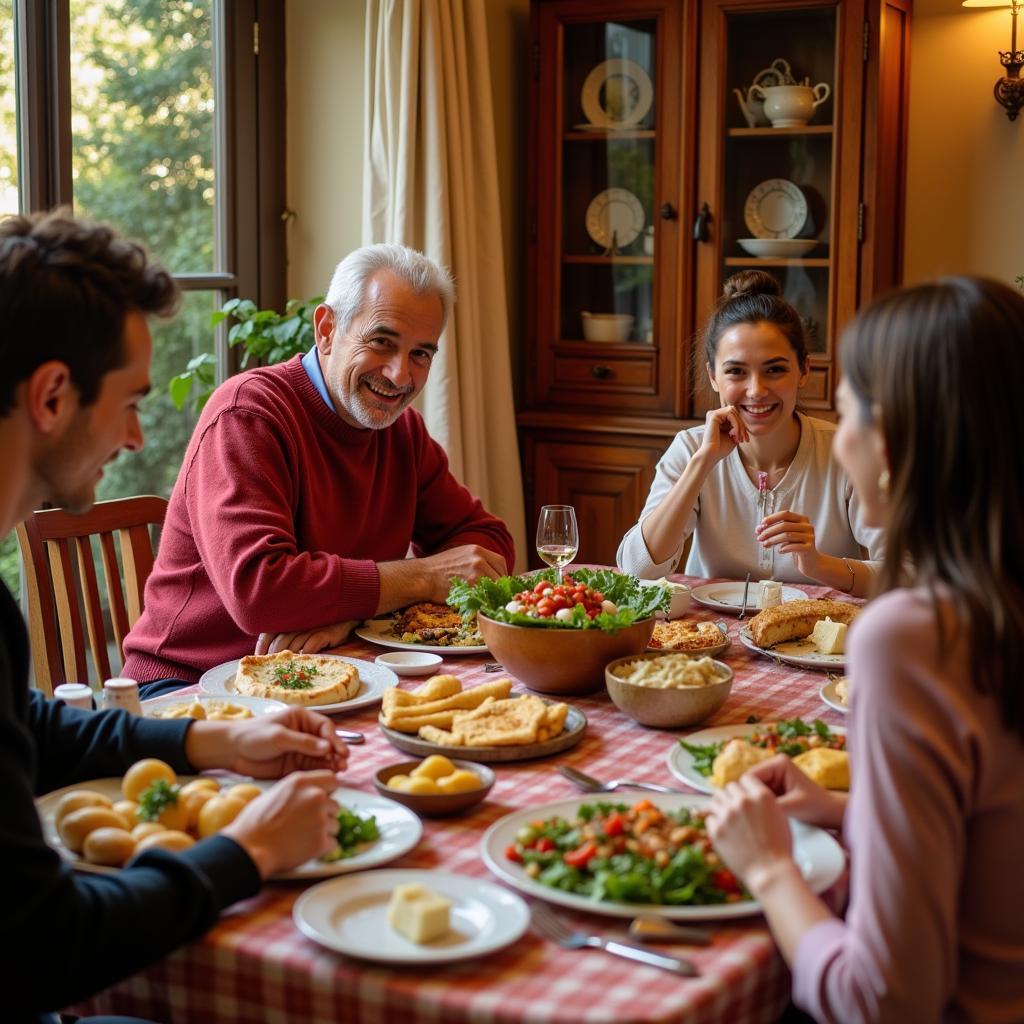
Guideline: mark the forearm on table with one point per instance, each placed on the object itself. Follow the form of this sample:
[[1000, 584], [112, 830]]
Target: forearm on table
[[401, 582], [663, 528], [788, 904], [850, 575]]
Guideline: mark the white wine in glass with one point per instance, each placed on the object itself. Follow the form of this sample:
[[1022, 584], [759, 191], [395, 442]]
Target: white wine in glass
[[558, 539]]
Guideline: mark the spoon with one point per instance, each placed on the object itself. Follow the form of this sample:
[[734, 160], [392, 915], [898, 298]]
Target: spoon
[[651, 928], [592, 785]]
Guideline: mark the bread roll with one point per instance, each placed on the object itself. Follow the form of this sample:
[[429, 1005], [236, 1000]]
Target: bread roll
[[795, 620], [218, 813], [129, 810], [147, 828], [78, 824], [169, 839], [110, 846], [76, 800], [210, 785], [244, 791], [143, 774]]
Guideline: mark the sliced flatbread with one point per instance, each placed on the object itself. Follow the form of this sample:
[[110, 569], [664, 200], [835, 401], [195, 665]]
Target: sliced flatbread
[[305, 679], [512, 722], [398, 713]]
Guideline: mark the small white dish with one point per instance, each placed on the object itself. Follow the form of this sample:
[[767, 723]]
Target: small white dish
[[777, 248], [409, 663], [680, 597], [351, 918], [829, 695], [157, 707]]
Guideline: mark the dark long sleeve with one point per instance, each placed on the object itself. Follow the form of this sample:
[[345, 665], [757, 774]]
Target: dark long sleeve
[[64, 935]]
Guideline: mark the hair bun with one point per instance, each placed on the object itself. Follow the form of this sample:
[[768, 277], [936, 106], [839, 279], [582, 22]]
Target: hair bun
[[750, 282]]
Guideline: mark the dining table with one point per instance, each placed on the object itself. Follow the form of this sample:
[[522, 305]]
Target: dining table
[[255, 967]]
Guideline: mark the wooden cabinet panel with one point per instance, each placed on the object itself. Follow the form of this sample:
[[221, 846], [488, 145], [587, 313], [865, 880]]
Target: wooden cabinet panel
[[605, 483]]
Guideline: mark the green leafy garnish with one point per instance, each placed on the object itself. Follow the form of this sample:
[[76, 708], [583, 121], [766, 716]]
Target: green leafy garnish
[[703, 755], [353, 830], [291, 678], [156, 798], [633, 601]]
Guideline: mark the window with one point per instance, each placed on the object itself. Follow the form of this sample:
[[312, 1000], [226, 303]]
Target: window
[[164, 118]]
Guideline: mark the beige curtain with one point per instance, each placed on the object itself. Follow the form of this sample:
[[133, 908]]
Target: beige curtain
[[431, 181]]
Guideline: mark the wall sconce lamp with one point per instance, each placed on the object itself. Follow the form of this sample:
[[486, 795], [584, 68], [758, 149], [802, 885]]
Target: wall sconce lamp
[[1009, 90]]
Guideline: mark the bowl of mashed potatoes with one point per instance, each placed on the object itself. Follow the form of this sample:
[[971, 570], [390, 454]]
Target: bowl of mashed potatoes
[[668, 690]]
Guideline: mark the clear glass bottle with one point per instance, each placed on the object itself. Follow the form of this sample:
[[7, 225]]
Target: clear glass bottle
[[122, 693]]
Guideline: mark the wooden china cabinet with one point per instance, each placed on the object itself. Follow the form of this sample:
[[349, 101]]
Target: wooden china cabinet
[[651, 183]]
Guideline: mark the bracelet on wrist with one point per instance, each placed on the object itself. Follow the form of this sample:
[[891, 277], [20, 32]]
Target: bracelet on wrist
[[853, 576]]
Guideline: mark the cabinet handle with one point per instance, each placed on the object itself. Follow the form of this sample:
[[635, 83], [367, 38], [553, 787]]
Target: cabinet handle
[[600, 372], [701, 233], [667, 211]]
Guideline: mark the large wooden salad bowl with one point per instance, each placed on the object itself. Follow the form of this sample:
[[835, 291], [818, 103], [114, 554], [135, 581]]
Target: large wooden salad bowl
[[561, 661]]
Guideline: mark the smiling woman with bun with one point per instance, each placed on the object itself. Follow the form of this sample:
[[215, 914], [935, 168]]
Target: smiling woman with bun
[[707, 483]]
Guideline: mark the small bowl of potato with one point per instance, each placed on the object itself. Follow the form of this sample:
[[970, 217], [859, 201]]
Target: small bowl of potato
[[436, 786]]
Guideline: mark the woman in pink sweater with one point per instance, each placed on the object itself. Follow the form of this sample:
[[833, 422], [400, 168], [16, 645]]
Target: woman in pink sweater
[[931, 435]]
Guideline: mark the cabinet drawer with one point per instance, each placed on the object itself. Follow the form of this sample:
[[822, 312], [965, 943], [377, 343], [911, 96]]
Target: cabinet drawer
[[614, 373]]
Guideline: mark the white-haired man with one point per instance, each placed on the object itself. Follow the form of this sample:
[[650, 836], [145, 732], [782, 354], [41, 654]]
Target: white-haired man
[[305, 484]]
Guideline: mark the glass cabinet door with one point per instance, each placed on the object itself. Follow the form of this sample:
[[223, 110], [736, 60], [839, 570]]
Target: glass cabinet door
[[772, 177], [601, 320]]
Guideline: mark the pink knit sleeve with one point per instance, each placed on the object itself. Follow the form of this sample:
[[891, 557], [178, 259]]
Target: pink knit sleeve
[[895, 957]]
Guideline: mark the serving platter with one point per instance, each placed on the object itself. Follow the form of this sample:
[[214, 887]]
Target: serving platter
[[378, 631], [681, 761], [349, 915], [373, 681], [728, 597], [617, 93], [571, 734], [400, 829], [817, 854], [799, 653]]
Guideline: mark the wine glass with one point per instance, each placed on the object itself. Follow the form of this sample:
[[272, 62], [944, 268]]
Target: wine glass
[[558, 539]]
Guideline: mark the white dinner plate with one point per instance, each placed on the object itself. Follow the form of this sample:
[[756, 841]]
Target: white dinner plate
[[818, 855], [617, 94], [680, 761], [378, 631], [373, 681], [831, 698], [349, 915], [728, 597], [775, 208], [615, 218], [257, 705], [799, 653], [400, 828]]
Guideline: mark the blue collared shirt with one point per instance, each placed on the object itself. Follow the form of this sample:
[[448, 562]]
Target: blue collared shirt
[[311, 364]]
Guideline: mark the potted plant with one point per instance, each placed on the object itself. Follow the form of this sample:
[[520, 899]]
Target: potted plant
[[266, 335]]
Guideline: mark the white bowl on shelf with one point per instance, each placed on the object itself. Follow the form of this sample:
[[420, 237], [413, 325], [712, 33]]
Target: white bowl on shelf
[[786, 248], [607, 326]]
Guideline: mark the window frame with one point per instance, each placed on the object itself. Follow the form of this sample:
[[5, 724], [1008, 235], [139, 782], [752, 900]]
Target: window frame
[[249, 143]]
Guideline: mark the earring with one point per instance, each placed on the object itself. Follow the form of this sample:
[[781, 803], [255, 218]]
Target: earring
[[883, 483]]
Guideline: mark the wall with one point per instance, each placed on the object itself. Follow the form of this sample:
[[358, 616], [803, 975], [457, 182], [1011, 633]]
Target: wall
[[324, 82], [965, 161]]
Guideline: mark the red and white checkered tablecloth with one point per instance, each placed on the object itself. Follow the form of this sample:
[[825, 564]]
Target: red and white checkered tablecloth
[[254, 967]]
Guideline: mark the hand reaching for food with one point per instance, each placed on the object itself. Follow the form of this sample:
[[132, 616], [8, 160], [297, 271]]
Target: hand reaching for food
[[292, 822], [798, 795]]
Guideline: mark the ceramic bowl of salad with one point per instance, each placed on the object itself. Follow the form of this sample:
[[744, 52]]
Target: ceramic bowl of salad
[[557, 637]]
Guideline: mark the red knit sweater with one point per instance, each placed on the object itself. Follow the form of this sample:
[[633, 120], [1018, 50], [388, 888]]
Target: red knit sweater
[[278, 518]]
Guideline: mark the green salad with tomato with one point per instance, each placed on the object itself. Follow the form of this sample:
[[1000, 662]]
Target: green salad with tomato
[[622, 854], [586, 599]]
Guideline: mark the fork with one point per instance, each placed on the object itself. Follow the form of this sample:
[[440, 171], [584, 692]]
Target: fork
[[555, 929], [746, 589], [592, 785]]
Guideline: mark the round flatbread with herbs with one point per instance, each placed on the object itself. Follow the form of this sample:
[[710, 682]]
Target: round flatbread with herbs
[[304, 679]]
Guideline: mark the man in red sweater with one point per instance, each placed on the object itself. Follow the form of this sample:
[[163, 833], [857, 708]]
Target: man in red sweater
[[305, 485]]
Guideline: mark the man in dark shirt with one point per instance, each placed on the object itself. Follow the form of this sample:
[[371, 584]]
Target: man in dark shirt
[[75, 346]]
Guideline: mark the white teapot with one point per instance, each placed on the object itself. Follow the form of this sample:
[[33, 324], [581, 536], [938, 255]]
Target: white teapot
[[777, 73], [789, 106]]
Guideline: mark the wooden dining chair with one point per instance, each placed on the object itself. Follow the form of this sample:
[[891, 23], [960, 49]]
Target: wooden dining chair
[[63, 583]]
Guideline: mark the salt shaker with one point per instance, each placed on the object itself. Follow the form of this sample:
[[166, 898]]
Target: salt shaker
[[122, 693], [75, 695]]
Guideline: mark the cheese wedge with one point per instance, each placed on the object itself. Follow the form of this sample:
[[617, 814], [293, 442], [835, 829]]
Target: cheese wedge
[[418, 913], [829, 637]]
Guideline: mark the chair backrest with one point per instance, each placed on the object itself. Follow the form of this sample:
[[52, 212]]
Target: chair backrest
[[63, 585]]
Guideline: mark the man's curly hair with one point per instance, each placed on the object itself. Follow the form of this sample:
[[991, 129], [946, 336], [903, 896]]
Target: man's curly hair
[[65, 288]]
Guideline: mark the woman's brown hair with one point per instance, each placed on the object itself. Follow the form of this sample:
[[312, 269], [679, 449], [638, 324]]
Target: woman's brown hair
[[754, 297], [938, 367]]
